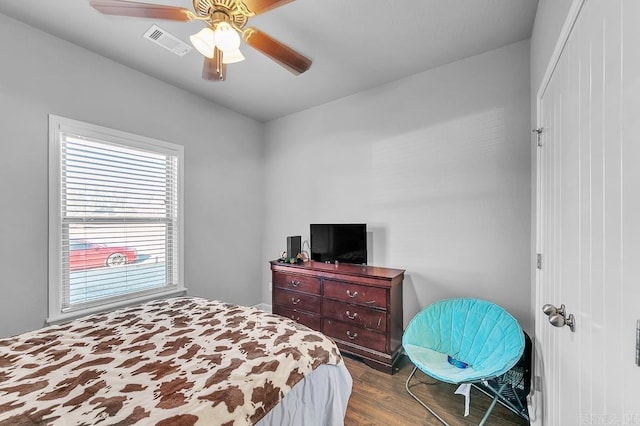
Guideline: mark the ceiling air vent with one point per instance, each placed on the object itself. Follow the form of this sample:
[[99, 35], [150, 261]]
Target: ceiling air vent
[[166, 40]]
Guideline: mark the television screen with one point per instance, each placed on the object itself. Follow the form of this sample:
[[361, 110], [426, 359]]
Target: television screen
[[339, 242]]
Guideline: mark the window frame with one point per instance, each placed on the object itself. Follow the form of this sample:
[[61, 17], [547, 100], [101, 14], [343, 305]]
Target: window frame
[[57, 126]]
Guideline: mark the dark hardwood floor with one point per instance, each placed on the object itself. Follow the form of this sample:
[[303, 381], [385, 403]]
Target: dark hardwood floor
[[381, 399]]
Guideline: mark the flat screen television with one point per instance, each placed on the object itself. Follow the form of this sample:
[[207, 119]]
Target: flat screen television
[[339, 242]]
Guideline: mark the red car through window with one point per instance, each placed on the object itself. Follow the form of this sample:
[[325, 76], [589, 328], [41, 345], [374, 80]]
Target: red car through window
[[85, 255]]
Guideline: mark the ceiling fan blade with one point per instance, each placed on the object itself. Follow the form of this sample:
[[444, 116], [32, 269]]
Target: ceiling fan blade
[[261, 6], [282, 54], [141, 10], [213, 68]]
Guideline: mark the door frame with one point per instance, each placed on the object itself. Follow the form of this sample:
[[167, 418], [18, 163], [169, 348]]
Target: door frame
[[535, 399]]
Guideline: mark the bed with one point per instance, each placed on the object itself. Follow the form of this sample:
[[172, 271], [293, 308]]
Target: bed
[[181, 361]]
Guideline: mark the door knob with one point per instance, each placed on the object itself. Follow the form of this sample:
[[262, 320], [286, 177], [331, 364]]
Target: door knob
[[558, 320], [549, 310], [558, 316]]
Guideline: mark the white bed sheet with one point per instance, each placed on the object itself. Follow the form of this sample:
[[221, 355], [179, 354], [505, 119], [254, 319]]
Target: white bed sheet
[[320, 399]]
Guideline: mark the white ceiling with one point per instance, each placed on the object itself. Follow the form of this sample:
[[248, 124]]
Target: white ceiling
[[354, 45]]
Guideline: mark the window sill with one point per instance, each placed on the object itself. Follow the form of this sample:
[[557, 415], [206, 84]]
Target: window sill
[[63, 317]]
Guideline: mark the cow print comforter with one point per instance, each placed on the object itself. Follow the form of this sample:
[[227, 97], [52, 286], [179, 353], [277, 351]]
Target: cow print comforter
[[180, 361]]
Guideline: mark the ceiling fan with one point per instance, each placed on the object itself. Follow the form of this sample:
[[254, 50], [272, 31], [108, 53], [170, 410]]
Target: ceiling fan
[[219, 41]]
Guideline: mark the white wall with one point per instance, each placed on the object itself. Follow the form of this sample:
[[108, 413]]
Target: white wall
[[437, 165], [41, 74]]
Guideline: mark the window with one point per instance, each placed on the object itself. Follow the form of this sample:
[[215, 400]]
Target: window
[[115, 218]]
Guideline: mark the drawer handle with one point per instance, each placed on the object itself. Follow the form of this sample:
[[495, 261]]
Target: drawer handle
[[352, 336], [295, 318], [295, 283], [295, 301], [355, 293], [350, 316]]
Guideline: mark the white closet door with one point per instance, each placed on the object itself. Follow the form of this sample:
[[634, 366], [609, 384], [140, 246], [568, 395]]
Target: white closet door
[[588, 220]]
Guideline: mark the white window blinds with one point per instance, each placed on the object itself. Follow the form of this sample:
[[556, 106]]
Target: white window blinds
[[118, 217]]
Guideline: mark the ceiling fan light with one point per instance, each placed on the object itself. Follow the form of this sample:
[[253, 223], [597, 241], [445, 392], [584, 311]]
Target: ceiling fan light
[[226, 38], [232, 57], [204, 41]]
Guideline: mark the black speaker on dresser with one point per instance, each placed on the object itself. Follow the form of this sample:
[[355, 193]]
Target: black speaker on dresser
[[293, 246]]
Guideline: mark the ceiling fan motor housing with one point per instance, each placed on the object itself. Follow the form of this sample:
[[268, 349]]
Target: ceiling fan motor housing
[[222, 11]]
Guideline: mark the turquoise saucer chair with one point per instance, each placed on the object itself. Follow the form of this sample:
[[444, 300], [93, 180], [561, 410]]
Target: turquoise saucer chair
[[463, 341]]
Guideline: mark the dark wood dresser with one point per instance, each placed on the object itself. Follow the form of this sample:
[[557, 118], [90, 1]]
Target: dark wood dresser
[[360, 307]]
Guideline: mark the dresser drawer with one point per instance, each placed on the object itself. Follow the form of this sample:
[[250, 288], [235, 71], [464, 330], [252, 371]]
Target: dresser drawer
[[304, 318], [297, 282], [354, 335], [297, 300], [373, 319], [354, 293]]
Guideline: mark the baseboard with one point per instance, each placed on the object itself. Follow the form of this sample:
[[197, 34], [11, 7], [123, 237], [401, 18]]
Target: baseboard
[[263, 307]]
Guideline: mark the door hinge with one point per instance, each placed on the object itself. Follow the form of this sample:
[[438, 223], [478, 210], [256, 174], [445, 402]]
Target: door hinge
[[539, 260], [538, 132]]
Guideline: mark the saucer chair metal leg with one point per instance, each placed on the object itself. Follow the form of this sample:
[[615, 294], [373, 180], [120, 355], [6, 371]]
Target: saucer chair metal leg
[[519, 410], [493, 404], [418, 399]]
